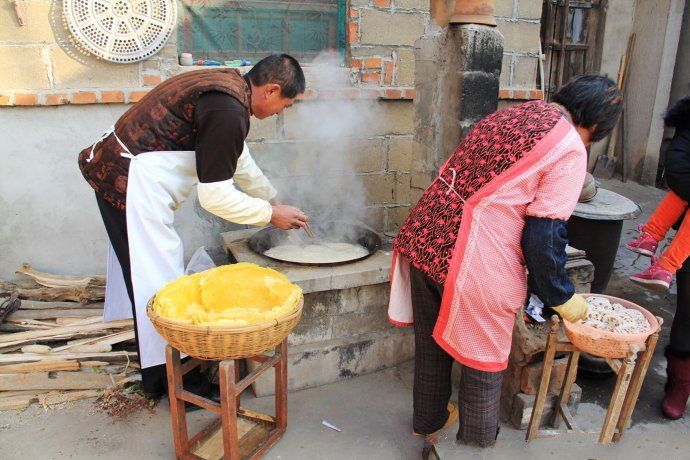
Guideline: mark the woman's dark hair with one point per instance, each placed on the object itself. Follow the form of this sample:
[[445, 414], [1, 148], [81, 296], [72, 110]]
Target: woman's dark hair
[[280, 69], [591, 99], [678, 115]]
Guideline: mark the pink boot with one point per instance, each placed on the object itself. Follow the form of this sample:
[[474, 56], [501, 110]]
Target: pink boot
[[654, 277], [644, 244], [677, 387]]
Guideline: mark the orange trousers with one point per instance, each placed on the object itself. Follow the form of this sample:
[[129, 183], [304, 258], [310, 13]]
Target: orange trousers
[[669, 211]]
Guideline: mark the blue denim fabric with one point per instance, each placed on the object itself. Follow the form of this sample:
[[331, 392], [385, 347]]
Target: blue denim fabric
[[543, 246]]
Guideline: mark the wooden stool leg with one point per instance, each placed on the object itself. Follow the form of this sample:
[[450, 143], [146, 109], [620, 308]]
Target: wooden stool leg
[[238, 377], [228, 410], [636, 381], [619, 392], [281, 386], [177, 409], [562, 405], [533, 428]]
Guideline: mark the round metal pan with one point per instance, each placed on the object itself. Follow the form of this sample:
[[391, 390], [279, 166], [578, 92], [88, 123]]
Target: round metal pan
[[332, 231]]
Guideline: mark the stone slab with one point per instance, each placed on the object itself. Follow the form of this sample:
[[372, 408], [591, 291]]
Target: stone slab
[[608, 205], [524, 404], [315, 364], [531, 376], [374, 269]]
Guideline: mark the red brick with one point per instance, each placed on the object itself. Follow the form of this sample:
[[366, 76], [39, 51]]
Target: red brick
[[372, 63], [152, 80], [393, 94], [112, 97], [354, 14], [356, 64], [135, 96], [56, 99], [382, 3], [4, 99], [388, 76], [353, 31], [531, 376], [26, 99], [409, 94], [520, 94], [84, 97], [371, 77], [536, 94], [504, 94]]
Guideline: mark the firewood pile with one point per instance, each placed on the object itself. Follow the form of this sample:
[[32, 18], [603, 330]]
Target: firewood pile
[[54, 345]]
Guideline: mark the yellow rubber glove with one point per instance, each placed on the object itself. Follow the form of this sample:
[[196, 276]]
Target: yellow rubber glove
[[573, 310]]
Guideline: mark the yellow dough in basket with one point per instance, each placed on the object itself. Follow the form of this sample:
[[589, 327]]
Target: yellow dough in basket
[[231, 295]]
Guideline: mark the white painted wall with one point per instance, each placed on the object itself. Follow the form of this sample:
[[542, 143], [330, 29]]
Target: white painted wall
[[48, 213]]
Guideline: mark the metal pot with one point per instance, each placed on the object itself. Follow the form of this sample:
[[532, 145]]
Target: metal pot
[[331, 231]]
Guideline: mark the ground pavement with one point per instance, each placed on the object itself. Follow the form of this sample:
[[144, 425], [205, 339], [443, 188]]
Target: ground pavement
[[374, 411]]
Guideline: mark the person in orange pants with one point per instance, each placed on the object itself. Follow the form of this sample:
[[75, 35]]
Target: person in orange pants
[[658, 276]]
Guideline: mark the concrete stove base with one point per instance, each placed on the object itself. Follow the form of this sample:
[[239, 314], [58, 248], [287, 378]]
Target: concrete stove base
[[344, 330]]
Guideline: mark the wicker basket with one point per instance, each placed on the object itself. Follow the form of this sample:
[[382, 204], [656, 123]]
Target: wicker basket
[[218, 343], [606, 344]]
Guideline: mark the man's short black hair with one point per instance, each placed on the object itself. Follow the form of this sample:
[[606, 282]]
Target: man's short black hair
[[280, 69], [591, 99]]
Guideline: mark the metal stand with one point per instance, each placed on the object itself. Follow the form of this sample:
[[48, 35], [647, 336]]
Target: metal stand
[[238, 433], [631, 372]]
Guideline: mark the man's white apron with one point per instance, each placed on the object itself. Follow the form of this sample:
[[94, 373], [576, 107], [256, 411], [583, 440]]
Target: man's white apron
[[158, 183]]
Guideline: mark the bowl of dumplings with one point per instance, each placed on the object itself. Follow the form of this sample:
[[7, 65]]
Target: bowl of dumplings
[[613, 328]]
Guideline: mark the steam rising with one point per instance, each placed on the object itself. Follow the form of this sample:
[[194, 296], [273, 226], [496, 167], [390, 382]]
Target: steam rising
[[317, 167]]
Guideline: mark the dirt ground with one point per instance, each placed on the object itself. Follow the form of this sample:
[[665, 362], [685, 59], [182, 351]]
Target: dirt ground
[[374, 411]]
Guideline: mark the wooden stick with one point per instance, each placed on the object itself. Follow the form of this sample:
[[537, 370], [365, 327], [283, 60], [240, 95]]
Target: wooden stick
[[177, 410], [113, 356], [83, 294], [40, 305], [538, 409], [52, 280], [308, 230], [619, 392], [62, 332], [56, 381], [635, 386], [562, 405], [40, 366], [110, 339], [52, 398], [16, 402], [51, 313]]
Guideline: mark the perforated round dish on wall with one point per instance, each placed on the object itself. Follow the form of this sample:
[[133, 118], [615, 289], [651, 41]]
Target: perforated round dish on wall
[[121, 30]]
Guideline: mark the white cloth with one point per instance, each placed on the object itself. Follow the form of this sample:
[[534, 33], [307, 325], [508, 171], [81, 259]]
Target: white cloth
[[117, 304], [225, 201], [251, 179], [158, 183]]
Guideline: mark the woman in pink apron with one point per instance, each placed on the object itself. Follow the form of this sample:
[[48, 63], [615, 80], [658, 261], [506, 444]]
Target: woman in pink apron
[[500, 202], [189, 130]]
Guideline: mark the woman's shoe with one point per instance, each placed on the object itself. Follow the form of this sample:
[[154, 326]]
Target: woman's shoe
[[644, 244], [654, 277], [678, 386]]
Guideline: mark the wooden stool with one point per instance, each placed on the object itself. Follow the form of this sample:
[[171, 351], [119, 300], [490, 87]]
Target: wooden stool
[[631, 372], [238, 433]]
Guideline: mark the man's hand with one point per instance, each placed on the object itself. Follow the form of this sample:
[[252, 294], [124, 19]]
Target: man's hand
[[288, 217]]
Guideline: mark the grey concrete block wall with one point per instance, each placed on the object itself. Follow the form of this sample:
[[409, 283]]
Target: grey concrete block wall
[[462, 60]]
